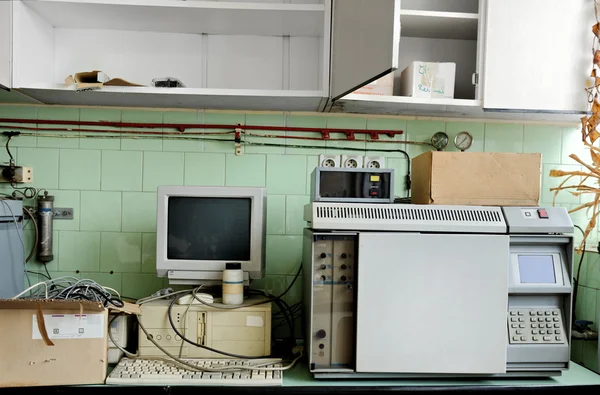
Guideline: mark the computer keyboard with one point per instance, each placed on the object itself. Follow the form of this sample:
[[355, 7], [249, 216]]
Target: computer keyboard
[[159, 372]]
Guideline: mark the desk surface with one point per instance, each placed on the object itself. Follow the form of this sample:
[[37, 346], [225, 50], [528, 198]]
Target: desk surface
[[577, 375], [299, 380]]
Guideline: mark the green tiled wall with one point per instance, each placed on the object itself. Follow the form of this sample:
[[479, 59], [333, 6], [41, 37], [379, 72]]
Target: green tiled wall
[[111, 183]]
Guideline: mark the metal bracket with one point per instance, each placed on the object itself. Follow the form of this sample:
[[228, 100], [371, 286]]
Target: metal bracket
[[62, 213]]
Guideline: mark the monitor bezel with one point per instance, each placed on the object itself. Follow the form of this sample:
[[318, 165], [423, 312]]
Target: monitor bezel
[[254, 266]]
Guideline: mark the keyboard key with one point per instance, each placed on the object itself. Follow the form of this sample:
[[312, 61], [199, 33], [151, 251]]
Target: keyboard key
[[557, 331], [547, 338], [515, 338], [547, 313], [555, 313], [555, 319], [534, 325], [531, 312], [513, 313], [519, 332], [559, 338], [548, 319], [532, 319], [521, 319], [513, 325], [536, 338], [557, 325], [548, 325], [535, 332], [520, 313], [521, 325], [540, 313], [540, 319], [542, 332], [523, 338], [549, 331]]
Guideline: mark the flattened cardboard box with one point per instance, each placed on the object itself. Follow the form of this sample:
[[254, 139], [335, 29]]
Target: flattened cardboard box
[[68, 347], [476, 178]]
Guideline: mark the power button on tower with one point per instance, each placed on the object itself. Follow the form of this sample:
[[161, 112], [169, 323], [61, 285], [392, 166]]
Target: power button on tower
[[542, 213]]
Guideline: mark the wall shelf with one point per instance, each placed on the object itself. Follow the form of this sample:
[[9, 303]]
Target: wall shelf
[[209, 17], [439, 24], [277, 100]]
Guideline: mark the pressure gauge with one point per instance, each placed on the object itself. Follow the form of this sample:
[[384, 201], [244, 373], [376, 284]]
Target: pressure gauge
[[439, 140], [463, 141]]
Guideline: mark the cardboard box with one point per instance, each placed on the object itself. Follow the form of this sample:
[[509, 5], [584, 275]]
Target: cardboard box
[[53, 342], [476, 178], [428, 80], [383, 86]]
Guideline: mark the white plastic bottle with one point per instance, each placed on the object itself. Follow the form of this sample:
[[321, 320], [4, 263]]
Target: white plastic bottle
[[233, 284]]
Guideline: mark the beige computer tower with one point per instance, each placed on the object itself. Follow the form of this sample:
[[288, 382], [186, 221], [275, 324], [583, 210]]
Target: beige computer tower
[[244, 331]]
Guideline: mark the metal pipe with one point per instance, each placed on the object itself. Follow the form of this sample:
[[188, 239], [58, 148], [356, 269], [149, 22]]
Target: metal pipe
[[45, 215]]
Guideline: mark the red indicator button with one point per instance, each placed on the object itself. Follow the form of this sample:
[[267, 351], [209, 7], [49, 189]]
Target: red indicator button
[[374, 193], [542, 213]]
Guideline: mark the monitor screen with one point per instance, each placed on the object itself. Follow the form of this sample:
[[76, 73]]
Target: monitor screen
[[536, 269], [213, 229]]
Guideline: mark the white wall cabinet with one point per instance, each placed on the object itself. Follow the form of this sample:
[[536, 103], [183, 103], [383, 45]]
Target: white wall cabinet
[[538, 55], [5, 43], [432, 31], [251, 55]]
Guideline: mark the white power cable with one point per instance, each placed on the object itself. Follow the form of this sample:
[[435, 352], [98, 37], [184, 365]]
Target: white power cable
[[20, 238]]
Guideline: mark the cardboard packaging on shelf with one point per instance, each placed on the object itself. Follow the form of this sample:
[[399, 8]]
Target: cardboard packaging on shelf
[[476, 178]]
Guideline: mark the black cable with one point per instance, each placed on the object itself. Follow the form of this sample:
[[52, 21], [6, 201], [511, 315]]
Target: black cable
[[47, 272], [107, 299], [39, 274], [576, 284], [12, 159]]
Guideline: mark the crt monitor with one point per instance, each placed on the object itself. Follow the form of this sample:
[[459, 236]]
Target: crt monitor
[[200, 229]]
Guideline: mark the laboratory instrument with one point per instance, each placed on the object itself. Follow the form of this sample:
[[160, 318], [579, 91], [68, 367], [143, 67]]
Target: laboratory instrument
[[426, 290], [241, 331], [45, 215], [201, 229], [332, 184], [12, 254], [463, 141], [150, 371], [439, 140]]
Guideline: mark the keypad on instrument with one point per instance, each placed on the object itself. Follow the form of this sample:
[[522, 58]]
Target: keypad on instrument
[[535, 326]]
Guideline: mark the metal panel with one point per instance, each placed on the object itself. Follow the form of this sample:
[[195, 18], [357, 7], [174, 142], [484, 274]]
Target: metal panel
[[365, 37], [527, 220], [12, 255], [404, 217], [434, 323]]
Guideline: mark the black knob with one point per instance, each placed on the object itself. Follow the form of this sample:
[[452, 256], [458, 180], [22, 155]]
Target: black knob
[[323, 267], [344, 267], [323, 255], [343, 278], [344, 256], [323, 278], [321, 346], [321, 334]]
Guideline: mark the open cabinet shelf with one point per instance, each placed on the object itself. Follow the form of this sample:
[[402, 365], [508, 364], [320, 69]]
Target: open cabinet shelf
[[431, 31], [438, 24], [176, 16], [228, 55]]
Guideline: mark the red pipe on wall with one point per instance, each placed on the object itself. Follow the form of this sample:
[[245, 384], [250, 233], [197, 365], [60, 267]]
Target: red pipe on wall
[[325, 132]]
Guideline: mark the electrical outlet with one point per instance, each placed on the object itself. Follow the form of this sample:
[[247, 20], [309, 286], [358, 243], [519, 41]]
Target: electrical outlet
[[16, 174], [329, 160], [374, 162], [352, 161]]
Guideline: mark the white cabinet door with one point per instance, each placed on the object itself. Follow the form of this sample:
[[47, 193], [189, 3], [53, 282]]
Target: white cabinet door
[[5, 42], [538, 54], [364, 42]]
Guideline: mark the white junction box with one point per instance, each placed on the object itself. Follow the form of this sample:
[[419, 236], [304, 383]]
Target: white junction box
[[428, 80]]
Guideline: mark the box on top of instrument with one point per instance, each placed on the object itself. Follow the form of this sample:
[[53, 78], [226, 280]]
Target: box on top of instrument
[[477, 178]]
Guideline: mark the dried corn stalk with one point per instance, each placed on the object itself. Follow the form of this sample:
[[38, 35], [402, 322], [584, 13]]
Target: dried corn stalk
[[589, 179]]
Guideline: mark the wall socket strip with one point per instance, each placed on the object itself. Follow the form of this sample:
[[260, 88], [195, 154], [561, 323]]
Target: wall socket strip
[[352, 161], [16, 174]]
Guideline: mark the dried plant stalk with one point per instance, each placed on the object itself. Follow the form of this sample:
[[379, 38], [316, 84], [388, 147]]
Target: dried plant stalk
[[589, 135]]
